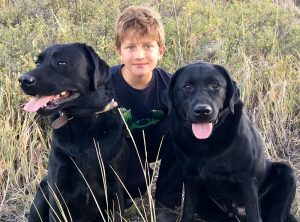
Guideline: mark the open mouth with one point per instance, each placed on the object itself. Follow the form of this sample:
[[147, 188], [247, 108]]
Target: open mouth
[[203, 130], [50, 102]]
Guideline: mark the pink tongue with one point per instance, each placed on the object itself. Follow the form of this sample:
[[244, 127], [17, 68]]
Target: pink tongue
[[202, 130], [36, 103]]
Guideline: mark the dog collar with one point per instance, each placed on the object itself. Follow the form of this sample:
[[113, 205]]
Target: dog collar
[[63, 118], [112, 104]]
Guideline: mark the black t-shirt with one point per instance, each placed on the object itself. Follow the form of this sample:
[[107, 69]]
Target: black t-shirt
[[143, 108]]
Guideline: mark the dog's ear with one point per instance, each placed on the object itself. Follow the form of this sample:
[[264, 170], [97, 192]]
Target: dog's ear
[[164, 100], [170, 100], [236, 94], [233, 92], [100, 73]]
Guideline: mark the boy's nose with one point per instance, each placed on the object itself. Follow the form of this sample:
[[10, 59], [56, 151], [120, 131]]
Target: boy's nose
[[140, 53]]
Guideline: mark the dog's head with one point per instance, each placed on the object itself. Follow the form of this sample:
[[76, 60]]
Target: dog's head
[[64, 73], [199, 93]]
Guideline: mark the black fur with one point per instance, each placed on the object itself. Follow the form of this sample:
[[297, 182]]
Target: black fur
[[77, 67], [226, 175]]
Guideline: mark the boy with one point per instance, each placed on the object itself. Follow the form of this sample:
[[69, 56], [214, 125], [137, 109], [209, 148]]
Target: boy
[[139, 40]]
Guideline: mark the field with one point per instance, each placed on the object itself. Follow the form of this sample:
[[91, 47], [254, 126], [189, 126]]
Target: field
[[258, 41]]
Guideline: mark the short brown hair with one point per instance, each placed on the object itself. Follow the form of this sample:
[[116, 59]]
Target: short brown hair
[[141, 20]]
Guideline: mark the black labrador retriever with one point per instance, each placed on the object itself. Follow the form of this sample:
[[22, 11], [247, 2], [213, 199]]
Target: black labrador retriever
[[71, 84], [226, 175]]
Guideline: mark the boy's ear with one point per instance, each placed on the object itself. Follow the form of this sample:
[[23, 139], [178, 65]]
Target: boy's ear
[[118, 50], [162, 51]]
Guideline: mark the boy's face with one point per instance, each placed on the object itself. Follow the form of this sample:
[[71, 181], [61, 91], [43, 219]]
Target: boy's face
[[139, 55]]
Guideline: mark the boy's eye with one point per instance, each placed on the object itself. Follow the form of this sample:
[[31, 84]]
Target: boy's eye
[[148, 46], [130, 47]]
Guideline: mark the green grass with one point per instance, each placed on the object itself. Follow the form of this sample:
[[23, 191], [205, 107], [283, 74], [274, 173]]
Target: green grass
[[258, 41]]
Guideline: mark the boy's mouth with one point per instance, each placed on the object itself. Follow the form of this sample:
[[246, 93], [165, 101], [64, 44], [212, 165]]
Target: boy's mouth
[[140, 64]]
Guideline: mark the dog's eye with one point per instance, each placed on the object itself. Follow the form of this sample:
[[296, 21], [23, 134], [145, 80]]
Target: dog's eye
[[215, 85], [37, 63], [61, 63], [188, 87]]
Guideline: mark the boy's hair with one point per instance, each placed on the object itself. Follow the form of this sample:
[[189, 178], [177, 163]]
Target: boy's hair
[[139, 21]]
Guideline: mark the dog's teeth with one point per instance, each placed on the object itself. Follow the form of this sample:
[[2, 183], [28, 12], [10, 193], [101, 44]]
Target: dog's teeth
[[63, 93]]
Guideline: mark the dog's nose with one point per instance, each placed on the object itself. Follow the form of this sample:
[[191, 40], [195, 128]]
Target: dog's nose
[[202, 109], [27, 80]]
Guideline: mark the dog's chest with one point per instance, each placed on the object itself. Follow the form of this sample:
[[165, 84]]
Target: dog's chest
[[218, 178], [84, 139], [76, 152]]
